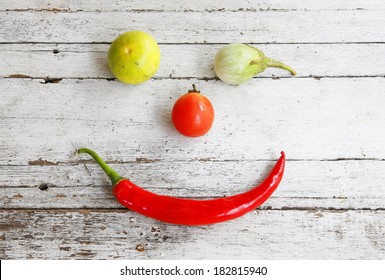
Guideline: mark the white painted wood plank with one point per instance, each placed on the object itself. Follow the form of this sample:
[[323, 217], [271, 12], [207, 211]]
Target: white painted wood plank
[[186, 5], [331, 129], [259, 235], [191, 27], [353, 184], [307, 118], [183, 61]]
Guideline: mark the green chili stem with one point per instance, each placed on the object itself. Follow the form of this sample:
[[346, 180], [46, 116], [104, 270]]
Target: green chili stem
[[112, 174], [275, 63]]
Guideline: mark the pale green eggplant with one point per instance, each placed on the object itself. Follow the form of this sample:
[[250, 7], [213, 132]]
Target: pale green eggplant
[[236, 63]]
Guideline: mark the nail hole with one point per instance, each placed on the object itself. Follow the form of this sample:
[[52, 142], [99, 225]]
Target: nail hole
[[55, 51], [43, 187], [140, 248]]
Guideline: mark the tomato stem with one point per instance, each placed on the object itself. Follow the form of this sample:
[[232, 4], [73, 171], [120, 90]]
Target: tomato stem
[[194, 89]]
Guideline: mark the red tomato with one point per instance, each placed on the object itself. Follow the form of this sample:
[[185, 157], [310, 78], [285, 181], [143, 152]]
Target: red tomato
[[193, 114]]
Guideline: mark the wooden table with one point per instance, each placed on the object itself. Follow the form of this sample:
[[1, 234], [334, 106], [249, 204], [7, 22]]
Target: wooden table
[[58, 95]]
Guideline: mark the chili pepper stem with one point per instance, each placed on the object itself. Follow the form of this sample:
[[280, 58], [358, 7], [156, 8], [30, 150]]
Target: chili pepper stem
[[275, 63], [112, 174]]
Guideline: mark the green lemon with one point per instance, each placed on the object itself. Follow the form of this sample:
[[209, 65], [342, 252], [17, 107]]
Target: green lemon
[[134, 57]]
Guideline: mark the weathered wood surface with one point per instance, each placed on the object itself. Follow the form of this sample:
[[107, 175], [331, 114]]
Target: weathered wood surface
[[116, 234], [327, 119], [187, 5], [196, 27], [306, 185], [191, 61], [58, 95]]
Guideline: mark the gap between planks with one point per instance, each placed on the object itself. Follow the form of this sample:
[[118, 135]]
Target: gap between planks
[[215, 10], [56, 80], [189, 6], [194, 43], [125, 210], [144, 161]]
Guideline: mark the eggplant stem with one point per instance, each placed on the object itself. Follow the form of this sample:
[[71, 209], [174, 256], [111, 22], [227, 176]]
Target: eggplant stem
[[275, 63]]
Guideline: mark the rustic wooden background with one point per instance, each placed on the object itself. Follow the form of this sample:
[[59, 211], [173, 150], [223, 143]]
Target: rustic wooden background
[[58, 95]]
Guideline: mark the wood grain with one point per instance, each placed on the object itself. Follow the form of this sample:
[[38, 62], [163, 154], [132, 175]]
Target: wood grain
[[58, 6], [306, 185], [327, 119], [115, 234], [192, 27], [187, 61], [58, 95]]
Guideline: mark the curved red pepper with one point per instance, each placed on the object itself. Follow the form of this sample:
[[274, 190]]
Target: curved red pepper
[[190, 212]]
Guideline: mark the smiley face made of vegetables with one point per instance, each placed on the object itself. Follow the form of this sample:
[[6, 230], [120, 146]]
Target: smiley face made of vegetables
[[193, 116]]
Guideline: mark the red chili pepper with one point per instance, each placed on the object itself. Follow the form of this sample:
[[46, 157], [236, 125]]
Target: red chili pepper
[[190, 212]]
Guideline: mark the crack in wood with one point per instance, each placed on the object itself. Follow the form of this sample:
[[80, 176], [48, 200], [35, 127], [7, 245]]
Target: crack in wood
[[48, 80], [146, 160], [87, 211], [41, 162], [19, 76], [152, 10], [53, 10], [205, 43]]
